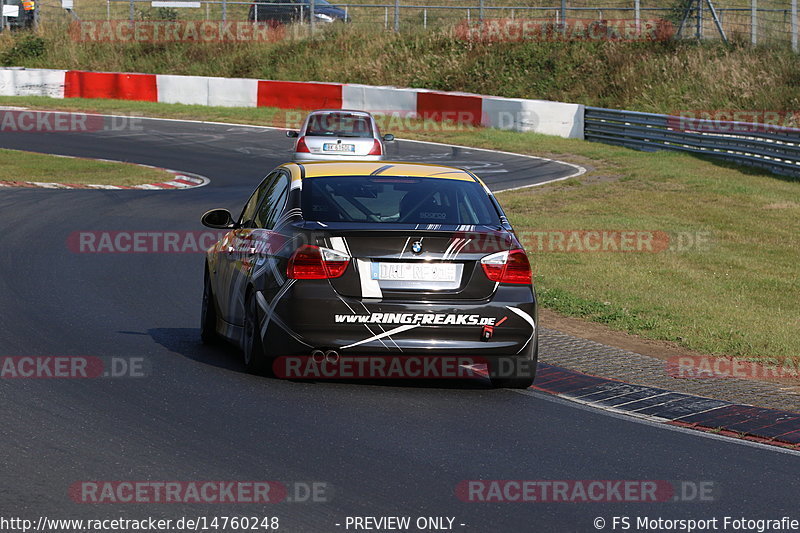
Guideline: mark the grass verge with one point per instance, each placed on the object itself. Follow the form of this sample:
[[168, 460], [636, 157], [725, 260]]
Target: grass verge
[[26, 166], [734, 293]]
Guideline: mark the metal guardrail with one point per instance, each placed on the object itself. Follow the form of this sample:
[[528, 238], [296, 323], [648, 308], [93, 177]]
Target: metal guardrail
[[771, 147]]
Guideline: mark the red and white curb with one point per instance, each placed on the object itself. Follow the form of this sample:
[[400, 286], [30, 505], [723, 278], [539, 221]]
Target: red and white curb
[[182, 180]]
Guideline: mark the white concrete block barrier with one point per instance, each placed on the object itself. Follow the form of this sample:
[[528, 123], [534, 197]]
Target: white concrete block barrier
[[32, 82], [199, 90], [382, 100], [540, 116]]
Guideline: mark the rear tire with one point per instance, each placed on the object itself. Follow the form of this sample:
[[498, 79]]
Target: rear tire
[[208, 314], [255, 360]]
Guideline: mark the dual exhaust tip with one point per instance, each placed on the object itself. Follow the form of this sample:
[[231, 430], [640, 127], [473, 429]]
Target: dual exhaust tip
[[331, 356]]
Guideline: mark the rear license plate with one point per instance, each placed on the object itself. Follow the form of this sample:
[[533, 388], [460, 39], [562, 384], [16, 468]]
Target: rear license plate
[[335, 147], [414, 271]]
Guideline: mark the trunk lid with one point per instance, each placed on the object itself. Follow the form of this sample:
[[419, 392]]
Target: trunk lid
[[339, 146], [410, 263]]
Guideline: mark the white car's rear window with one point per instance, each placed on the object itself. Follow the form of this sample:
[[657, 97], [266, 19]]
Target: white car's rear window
[[339, 125]]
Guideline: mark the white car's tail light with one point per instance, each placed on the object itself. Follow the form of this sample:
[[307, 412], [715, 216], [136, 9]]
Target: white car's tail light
[[301, 146], [376, 148]]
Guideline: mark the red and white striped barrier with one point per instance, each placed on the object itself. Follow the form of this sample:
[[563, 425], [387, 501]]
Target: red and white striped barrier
[[113, 85], [540, 116]]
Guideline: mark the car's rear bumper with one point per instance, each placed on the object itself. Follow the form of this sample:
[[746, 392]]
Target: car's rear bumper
[[300, 157], [310, 315]]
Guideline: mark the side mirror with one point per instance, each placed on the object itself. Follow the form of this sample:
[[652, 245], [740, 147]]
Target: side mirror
[[292, 133], [388, 137], [218, 219]]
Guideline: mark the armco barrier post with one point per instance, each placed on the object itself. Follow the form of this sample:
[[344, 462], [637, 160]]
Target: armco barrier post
[[699, 20]]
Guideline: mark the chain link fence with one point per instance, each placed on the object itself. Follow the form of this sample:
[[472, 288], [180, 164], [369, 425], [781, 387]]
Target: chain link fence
[[755, 21]]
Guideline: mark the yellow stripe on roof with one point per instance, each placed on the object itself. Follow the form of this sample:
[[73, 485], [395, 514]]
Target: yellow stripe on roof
[[294, 170], [379, 168]]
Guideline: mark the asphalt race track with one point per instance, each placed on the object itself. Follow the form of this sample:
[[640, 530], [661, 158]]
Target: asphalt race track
[[383, 449]]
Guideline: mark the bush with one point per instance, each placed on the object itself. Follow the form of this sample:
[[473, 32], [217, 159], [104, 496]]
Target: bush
[[29, 46]]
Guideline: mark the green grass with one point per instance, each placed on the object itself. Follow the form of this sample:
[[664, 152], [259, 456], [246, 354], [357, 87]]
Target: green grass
[[738, 295], [650, 76], [25, 166]]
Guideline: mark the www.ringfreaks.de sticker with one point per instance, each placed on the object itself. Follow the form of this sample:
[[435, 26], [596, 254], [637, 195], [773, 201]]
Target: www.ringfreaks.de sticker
[[417, 318]]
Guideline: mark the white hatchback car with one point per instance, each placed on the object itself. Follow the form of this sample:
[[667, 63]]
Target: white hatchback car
[[339, 135]]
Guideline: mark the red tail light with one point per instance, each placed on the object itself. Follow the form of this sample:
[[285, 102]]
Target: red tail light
[[376, 148], [301, 145], [314, 262], [508, 267]]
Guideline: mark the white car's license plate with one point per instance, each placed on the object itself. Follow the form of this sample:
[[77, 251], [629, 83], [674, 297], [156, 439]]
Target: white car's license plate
[[414, 271], [336, 147]]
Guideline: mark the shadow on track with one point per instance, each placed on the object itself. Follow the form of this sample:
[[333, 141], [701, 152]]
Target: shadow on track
[[186, 342]]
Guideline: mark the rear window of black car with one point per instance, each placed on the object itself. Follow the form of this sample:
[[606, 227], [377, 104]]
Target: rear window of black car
[[397, 200], [339, 125]]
